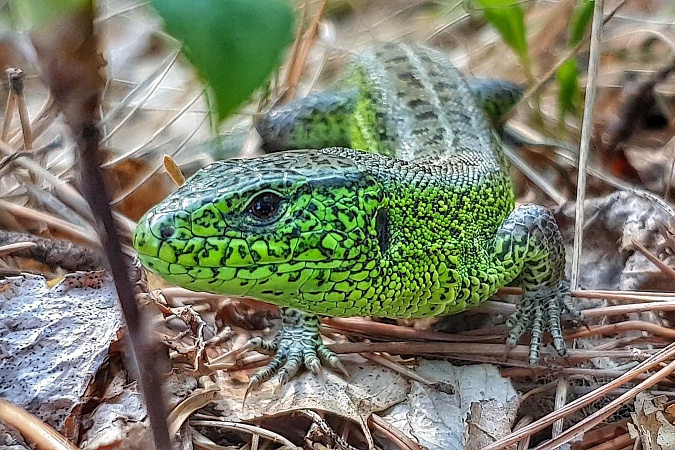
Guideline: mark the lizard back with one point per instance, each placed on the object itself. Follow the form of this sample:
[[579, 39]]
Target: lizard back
[[415, 105]]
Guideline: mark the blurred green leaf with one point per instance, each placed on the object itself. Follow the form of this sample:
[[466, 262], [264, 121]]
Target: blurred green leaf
[[508, 18], [569, 94], [233, 44], [579, 21], [35, 13]]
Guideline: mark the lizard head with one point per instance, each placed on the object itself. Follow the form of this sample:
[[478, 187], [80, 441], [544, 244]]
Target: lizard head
[[295, 229]]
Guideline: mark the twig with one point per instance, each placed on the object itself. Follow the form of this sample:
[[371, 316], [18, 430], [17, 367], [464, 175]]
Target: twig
[[16, 78], [664, 355], [607, 410], [399, 439], [251, 429], [34, 430], [67, 49], [586, 135], [9, 111], [54, 253]]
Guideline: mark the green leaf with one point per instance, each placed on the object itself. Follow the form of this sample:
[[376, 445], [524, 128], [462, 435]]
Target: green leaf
[[35, 13], [579, 22], [233, 44], [508, 18], [569, 94]]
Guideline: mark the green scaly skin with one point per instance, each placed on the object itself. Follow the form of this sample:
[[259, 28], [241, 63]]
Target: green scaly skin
[[323, 119], [420, 224]]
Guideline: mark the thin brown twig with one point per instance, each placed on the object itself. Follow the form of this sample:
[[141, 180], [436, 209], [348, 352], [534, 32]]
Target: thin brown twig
[[251, 429], [9, 112], [663, 267], [626, 309], [604, 412], [466, 349], [396, 436], [299, 54], [16, 81], [664, 355], [629, 325], [67, 48], [78, 233]]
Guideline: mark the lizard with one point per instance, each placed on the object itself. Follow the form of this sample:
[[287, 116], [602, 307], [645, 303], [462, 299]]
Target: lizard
[[415, 218]]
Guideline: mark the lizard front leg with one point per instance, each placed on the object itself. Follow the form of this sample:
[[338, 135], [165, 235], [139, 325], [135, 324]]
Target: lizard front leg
[[529, 247], [298, 342]]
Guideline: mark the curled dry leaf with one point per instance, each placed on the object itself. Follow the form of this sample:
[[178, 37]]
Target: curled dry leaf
[[652, 423], [610, 259]]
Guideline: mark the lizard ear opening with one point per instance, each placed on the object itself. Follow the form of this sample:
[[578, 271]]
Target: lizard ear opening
[[382, 228]]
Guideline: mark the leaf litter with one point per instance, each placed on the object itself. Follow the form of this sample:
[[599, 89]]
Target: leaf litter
[[154, 107]]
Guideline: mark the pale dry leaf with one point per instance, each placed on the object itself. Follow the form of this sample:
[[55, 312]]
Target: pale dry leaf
[[370, 388], [490, 419], [437, 416], [54, 341], [120, 421], [609, 259], [650, 424]]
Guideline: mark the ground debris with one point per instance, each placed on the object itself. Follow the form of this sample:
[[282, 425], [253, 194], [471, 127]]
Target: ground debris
[[54, 341], [653, 422]]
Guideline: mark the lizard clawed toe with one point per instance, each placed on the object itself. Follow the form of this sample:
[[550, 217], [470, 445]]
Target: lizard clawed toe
[[298, 343], [539, 312]]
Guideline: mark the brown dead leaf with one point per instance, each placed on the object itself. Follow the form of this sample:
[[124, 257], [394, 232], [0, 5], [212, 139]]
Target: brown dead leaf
[[650, 424]]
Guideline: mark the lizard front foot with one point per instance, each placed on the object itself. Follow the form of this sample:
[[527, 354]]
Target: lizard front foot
[[539, 311], [298, 342]]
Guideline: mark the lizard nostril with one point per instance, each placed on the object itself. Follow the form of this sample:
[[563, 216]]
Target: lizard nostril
[[167, 231]]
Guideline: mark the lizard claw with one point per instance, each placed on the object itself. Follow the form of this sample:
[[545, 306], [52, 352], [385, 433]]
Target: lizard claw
[[298, 343], [539, 311]]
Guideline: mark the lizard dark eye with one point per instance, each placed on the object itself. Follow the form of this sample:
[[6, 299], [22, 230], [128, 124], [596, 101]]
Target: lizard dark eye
[[265, 206]]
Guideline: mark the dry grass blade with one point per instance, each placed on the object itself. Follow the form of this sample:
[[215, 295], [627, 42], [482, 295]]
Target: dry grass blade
[[571, 53], [9, 116], [39, 124], [194, 402], [626, 309], [160, 130], [668, 271], [251, 429], [396, 436], [370, 328], [33, 429], [152, 82], [586, 135], [16, 83], [622, 327], [533, 176], [299, 53], [123, 194], [470, 350], [627, 296], [64, 191], [11, 248], [396, 367], [67, 228]]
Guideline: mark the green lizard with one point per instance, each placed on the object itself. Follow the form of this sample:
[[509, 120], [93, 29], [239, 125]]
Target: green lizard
[[416, 219]]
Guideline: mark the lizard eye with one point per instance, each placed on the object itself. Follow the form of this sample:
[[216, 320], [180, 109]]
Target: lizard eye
[[264, 206]]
